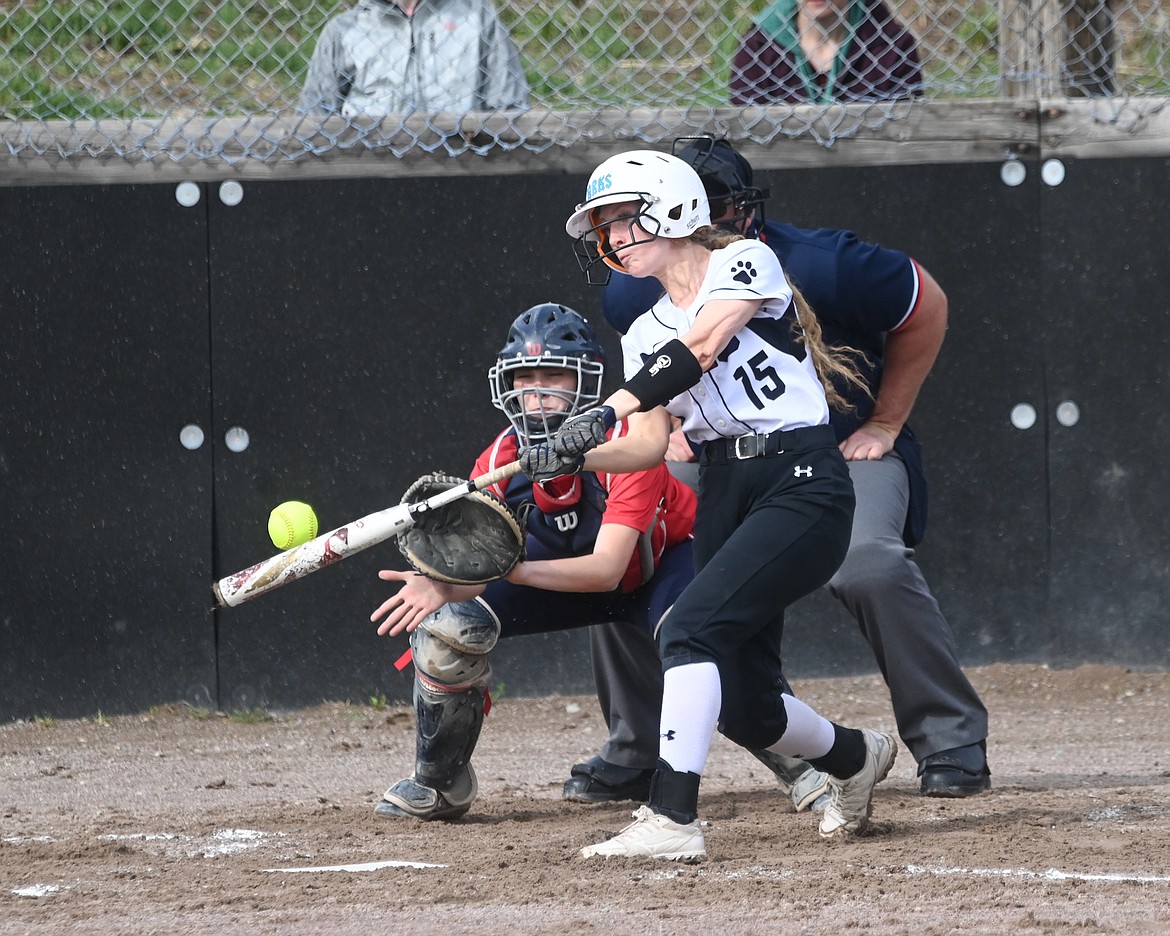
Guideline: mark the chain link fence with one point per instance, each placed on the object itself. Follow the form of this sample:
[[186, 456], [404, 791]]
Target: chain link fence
[[280, 79]]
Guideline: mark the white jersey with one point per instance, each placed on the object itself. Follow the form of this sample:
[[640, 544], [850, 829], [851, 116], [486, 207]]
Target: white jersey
[[764, 379]]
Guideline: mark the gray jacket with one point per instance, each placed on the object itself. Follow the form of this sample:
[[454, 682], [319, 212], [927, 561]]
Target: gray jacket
[[450, 55]]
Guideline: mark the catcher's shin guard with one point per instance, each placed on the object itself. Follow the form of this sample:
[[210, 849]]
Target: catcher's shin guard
[[806, 786], [447, 732], [443, 785], [451, 672]]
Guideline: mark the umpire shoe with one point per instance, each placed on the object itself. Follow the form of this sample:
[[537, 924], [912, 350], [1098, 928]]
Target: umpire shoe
[[851, 800], [412, 800], [957, 772], [652, 835], [599, 781]]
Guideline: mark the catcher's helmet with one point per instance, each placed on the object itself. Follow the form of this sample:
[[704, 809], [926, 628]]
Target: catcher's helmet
[[727, 177], [670, 197], [553, 336]]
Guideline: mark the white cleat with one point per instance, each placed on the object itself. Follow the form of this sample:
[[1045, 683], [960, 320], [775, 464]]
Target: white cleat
[[651, 835], [850, 800]]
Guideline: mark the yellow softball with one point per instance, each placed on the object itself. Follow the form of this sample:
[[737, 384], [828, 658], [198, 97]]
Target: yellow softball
[[291, 524]]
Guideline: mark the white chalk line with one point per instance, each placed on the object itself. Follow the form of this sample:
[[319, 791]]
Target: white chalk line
[[367, 866], [1050, 875], [38, 890]]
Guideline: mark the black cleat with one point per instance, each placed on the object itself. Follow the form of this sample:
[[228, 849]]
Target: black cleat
[[409, 799]]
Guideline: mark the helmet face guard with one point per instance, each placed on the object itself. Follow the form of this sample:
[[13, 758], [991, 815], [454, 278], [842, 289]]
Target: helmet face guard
[[536, 413], [727, 178], [547, 336], [593, 245], [671, 202]]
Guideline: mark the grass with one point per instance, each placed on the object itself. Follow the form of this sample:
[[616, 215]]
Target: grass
[[250, 716], [149, 58], [970, 66], [1146, 56], [71, 59]]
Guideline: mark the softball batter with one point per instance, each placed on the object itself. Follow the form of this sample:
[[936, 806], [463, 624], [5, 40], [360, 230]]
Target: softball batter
[[733, 353]]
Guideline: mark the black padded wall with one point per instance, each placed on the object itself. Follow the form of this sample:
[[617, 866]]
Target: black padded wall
[[347, 326], [106, 516], [1106, 301], [353, 326]]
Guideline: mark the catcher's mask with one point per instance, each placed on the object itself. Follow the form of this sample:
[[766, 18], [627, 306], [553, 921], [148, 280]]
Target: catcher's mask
[[549, 336], [727, 178], [667, 199]]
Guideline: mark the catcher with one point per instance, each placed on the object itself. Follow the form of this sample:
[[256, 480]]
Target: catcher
[[597, 547]]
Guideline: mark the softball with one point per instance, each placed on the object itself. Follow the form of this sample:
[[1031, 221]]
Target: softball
[[291, 524]]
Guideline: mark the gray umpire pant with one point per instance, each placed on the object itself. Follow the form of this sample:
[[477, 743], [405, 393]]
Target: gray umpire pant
[[935, 705]]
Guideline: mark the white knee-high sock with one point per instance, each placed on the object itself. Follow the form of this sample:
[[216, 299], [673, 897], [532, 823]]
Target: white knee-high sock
[[807, 735], [691, 698]]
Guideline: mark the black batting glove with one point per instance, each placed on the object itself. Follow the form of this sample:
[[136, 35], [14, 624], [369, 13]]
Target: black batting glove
[[584, 432], [542, 463]]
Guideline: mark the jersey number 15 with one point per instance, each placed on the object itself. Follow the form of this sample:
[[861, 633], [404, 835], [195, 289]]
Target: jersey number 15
[[762, 376]]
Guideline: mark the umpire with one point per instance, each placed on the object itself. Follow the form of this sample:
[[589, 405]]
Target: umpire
[[884, 303]]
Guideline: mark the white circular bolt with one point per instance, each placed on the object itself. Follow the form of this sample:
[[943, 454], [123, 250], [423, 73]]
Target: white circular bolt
[[187, 194], [191, 437], [1052, 172], [236, 439], [231, 193], [1013, 172], [1068, 413], [1023, 416]]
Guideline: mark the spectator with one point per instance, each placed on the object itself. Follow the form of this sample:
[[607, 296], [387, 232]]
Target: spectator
[[820, 51], [399, 56]]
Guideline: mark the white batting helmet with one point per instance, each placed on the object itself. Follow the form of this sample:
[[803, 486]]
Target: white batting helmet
[[671, 197]]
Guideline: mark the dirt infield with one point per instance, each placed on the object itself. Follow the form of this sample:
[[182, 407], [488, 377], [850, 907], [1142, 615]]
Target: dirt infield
[[182, 822]]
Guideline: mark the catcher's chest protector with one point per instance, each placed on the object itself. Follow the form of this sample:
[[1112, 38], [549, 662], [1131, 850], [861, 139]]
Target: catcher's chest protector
[[571, 532]]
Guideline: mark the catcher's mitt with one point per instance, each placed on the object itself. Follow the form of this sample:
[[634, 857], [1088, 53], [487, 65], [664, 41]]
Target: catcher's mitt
[[474, 539]]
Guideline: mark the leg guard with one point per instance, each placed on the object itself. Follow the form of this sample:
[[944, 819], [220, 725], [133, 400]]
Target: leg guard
[[443, 784], [451, 673], [451, 647], [675, 793]]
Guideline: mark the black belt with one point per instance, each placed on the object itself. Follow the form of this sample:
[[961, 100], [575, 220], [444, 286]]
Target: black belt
[[763, 445]]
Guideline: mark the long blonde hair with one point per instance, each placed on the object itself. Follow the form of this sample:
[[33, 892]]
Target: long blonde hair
[[834, 365]]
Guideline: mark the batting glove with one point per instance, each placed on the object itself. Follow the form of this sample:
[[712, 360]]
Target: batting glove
[[541, 463], [579, 434]]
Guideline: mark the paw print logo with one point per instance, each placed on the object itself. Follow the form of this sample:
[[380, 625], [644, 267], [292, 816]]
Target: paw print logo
[[743, 272]]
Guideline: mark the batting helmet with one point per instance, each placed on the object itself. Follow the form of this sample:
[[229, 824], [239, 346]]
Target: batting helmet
[[670, 197]]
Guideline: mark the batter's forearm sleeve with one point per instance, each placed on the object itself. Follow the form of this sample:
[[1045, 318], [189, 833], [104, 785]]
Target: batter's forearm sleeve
[[671, 372]]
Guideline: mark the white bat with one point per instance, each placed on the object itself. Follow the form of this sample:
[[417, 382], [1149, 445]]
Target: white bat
[[346, 540]]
